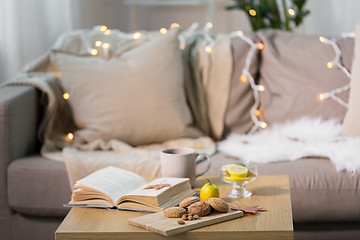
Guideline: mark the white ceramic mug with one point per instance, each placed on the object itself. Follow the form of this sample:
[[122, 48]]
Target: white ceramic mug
[[182, 162]]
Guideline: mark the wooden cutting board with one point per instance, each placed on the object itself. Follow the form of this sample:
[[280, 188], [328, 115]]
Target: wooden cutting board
[[158, 223]]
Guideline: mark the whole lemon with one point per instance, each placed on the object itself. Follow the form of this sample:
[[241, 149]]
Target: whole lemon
[[209, 190]]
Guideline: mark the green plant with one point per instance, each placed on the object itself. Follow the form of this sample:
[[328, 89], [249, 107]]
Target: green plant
[[267, 13]]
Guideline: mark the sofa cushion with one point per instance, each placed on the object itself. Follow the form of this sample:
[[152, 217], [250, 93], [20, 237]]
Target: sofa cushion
[[294, 72], [137, 97], [40, 187], [318, 191]]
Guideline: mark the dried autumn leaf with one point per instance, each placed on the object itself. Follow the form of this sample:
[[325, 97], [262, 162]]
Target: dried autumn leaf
[[157, 186], [247, 209]]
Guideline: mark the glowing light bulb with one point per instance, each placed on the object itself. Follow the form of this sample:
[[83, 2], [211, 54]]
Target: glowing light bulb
[[107, 32], [174, 25], [103, 28], [208, 49], [136, 35], [69, 137], [98, 43], [66, 95], [163, 31], [209, 25], [94, 52], [261, 88], [329, 65], [106, 45], [182, 46], [321, 97], [244, 78], [252, 12], [291, 11], [263, 124], [240, 33], [257, 113], [322, 39], [260, 46]]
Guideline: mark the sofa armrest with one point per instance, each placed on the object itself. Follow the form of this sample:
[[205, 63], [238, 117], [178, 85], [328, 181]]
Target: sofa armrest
[[18, 126], [19, 114]]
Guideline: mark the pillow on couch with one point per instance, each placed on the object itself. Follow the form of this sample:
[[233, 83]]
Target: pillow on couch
[[137, 97], [237, 117], [351, 125], [294, 73]]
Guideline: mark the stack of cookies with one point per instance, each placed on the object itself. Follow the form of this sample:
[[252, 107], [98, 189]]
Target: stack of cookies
[[192, 208]]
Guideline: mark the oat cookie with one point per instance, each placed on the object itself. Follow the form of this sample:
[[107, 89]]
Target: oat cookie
[[174, 212], [188, 201], [218, 204], [199, 208]]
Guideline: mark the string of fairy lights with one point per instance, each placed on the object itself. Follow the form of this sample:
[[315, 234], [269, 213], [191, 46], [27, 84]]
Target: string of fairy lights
[[337, 63], [245, 77]]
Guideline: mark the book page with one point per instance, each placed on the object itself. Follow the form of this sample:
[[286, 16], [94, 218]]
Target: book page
[[171, 202], [112, 181], [152, 192]]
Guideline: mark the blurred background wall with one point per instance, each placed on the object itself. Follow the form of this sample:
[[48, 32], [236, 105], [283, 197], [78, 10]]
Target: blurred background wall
[[28, 28]]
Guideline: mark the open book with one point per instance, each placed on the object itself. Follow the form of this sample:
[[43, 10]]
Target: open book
[[115, 188]]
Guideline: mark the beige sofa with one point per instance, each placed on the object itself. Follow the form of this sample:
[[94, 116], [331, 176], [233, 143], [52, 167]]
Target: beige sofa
[[325, 203]]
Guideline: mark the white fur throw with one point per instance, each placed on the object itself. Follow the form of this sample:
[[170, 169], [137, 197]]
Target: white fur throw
[[305, 137]]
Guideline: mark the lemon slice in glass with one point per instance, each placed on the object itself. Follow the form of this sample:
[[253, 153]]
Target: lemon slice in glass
[[238, 171], [237, 179], [226, 167]]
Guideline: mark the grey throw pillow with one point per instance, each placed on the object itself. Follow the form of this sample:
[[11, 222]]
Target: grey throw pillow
[[294, 72]]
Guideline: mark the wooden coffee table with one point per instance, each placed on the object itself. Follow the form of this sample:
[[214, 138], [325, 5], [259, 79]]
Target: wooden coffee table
[[269, 192]]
